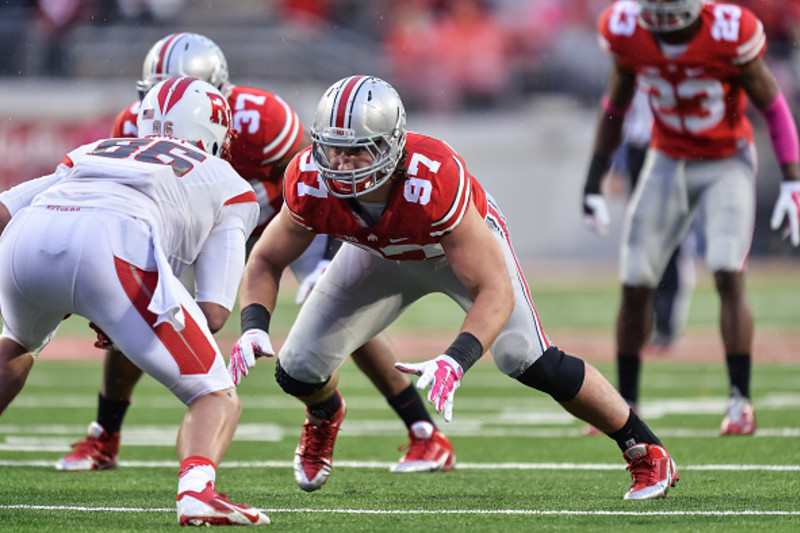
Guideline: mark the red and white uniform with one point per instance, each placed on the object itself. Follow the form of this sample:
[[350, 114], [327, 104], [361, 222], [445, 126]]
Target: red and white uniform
[[430, 203], [701, 157], [385, 267], [697, 101], [269, 131], [105, 240]]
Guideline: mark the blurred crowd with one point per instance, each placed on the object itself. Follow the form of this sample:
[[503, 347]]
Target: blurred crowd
[[443, 55]]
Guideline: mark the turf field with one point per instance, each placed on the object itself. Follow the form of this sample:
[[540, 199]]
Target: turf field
[[523, 464]]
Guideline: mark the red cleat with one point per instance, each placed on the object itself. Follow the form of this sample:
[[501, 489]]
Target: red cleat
[[653, 471], [740, 418], [210, 508], [98, 451], [428, 451], [313, 458]]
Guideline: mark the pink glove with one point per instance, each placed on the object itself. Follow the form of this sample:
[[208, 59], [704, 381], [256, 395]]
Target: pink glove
[[443, 374], [253, 343]]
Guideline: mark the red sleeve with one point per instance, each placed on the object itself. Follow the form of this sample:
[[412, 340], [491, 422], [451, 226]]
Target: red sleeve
[[294, 179], [125, 123], [752, 42]]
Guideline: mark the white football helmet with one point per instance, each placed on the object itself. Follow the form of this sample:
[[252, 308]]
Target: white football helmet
[[668, 15], [189, 109], [359, 112], [184, 54]]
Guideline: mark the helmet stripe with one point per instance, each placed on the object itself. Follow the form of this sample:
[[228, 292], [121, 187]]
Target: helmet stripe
[[160, 66], [171, 93], [343, 107]]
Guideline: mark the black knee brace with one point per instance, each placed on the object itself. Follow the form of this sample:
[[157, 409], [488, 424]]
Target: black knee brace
[[294, 387], [556, 373]]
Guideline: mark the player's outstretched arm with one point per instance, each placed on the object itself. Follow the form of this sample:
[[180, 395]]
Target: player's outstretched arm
[[282, 241], [477, 259], [762, 90], [614, 105]]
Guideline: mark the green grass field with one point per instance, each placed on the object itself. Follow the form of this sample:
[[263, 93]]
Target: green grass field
[[523, 463]]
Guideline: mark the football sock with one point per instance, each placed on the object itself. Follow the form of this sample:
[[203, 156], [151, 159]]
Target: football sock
[[409, 407], [628, 376], [111, 412], [635, 431], [327, 408], [739, 373], [196, 472]]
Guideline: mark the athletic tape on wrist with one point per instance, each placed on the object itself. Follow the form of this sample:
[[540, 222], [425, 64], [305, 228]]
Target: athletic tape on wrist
[[255, 316], [465, 350]]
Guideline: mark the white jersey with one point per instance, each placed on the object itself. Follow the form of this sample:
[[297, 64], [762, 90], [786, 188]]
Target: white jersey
[[188, 198], [174, 186]]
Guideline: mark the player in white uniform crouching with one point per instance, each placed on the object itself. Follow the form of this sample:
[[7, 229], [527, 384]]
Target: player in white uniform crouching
[[107, 237]]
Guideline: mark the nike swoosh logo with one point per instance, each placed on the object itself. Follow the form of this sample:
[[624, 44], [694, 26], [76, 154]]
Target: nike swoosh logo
[[401, 239], [252, 517]]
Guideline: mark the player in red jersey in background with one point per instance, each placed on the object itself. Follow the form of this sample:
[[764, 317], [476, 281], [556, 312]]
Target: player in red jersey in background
[[269, 134], [698, 62], [414, 222]]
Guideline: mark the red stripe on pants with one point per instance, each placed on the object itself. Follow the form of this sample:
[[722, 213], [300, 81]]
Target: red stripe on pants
[[189, 348]]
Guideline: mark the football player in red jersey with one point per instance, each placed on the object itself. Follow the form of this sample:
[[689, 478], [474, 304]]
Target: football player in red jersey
[[269, 135], [698, 62], [414, 222]]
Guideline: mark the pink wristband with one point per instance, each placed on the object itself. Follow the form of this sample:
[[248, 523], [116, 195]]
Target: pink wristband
[[610, 109], [782, 130]]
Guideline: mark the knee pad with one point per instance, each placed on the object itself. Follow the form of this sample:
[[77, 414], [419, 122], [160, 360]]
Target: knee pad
[[556, 373], [294, 387]]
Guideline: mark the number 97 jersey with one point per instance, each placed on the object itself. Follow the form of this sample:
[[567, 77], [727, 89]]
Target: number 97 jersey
[[428, 203], [697, 101]]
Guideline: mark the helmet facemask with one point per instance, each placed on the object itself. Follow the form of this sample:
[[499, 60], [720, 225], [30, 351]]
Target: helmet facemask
[[668, 16]]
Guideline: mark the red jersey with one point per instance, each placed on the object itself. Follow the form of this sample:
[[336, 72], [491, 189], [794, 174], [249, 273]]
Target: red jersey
[[269, 130], [697, 100], [428, 204]]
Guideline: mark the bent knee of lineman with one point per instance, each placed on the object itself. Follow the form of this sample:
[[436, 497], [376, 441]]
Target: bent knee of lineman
[[557, 374], [228, 397], [295, 387]]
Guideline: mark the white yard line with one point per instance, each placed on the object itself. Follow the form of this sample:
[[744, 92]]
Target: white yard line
[[460, 466], [540, 512]]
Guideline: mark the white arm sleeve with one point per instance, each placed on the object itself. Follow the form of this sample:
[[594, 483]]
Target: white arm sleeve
[[21, 195], [220, 265]]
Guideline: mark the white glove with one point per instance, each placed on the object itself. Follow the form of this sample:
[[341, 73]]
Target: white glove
[[788, 205], [253, 343], [443, 374], [308, 283], [595, 213]]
